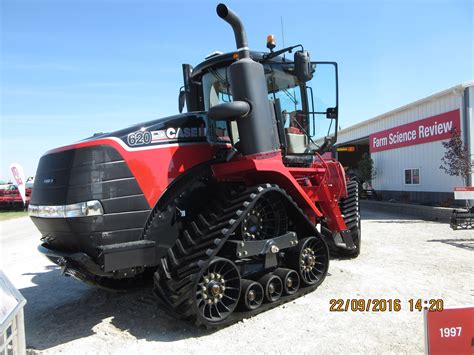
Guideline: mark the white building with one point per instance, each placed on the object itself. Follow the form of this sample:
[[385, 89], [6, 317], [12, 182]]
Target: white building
[[406, 145]]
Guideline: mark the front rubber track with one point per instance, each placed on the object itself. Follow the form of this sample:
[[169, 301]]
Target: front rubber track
[[198, 244], [350, 209]]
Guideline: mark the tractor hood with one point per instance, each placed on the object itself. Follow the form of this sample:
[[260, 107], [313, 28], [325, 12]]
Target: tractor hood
[[189, 127], [151, 152], [100, 190]]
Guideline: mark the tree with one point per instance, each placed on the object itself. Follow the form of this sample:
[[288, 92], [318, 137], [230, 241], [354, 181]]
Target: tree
[[456, 160], [365, 168]]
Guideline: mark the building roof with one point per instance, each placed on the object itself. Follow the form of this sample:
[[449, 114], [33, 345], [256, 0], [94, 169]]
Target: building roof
[[454, 89]]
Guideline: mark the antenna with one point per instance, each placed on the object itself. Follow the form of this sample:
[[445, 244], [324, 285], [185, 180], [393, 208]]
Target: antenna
[[282, 32]]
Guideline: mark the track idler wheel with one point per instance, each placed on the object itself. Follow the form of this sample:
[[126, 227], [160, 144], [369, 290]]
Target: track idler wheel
[[311, 258], [217, 291], [251, 294], [273, 287], [290, 278]]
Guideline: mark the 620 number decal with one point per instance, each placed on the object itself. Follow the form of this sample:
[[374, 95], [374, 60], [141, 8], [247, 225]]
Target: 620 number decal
[[139, 138]]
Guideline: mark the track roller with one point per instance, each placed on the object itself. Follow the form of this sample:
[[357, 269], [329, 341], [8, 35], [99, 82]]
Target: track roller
[[251, 294], [311, 258], [273, 287], [290, 278]]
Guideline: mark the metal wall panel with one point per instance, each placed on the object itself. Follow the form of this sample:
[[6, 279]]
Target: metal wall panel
[[470, 119], [447, 102], [391, 164]]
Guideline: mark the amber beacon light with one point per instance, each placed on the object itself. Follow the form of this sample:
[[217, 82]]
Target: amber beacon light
[[271, 42]]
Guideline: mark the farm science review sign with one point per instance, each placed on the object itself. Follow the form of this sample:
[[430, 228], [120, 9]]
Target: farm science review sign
[[430, 129]]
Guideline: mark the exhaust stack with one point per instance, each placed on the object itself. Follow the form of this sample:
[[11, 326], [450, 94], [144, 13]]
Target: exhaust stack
[[232, 19], [257, 131]]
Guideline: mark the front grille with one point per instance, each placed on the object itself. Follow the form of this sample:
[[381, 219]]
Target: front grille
[[92, 173]]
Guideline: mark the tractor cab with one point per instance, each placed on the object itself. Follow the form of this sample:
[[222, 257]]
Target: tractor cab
[[304, 102]]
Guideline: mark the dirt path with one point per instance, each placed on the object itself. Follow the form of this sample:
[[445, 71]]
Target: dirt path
[[400, 259]]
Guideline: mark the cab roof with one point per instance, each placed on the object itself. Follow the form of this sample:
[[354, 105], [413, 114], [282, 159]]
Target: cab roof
[[225, 59]]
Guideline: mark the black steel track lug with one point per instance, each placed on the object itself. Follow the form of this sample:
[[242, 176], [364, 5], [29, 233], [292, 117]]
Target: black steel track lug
[[347, 238]]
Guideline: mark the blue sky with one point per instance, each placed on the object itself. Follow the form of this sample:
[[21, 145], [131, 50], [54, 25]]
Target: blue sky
[[72, 68]]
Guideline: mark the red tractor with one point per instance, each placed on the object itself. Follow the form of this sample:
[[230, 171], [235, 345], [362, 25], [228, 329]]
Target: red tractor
[[229, 208], [10, 198]]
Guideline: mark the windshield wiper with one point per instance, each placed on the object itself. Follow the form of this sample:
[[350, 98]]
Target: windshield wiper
[[219, 78], [290, 96], [281, 51]]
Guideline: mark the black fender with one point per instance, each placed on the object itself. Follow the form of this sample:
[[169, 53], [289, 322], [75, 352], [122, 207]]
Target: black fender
[[164, 221]]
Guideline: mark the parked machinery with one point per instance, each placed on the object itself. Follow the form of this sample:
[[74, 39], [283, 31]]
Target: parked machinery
[[230, 207]]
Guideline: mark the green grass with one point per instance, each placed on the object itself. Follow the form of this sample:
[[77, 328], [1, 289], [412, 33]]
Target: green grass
[[5, 215]]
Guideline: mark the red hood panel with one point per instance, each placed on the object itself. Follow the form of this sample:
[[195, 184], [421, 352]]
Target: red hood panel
[[155, 167]]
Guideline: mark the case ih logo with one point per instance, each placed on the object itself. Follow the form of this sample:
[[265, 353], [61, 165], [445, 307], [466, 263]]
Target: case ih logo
[[430, 129], [146, 137], [177, 133]]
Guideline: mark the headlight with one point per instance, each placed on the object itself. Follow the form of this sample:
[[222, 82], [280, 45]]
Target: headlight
[[81, 209]]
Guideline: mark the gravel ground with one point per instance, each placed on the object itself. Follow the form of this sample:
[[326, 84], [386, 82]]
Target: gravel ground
[[400, 258]]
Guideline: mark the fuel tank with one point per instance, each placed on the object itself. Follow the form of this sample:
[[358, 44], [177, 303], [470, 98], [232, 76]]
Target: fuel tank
[[100, 191]]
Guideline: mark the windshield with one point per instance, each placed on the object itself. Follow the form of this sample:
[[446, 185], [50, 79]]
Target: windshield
[[216, 88], [302, 121], [281, 85], [284, 87]]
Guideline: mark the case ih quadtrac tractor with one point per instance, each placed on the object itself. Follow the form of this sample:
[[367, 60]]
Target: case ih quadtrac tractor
[[230, 208]]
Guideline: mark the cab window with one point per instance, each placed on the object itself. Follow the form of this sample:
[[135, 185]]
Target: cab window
[[216, 88], [284, 87], [221, 131]]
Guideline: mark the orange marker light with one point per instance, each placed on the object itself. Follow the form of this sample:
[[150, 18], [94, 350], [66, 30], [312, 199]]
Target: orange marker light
[[271, 42]]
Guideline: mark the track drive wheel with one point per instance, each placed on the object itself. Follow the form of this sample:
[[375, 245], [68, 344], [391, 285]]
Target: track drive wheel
[[266, 219], [217, 291], [311, 258]]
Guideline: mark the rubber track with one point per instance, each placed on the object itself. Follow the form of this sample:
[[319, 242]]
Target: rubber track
[[350, 209], [176, 274], [350, 206]]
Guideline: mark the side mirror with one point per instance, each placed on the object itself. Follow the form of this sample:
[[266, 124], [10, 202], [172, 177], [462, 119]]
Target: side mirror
[[229, 111], [331, 112], [303, 67], [181, 99]]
